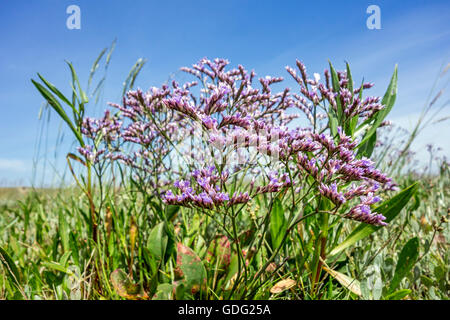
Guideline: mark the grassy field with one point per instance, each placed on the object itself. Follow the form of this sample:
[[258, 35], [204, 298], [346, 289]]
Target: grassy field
[[46, 235]]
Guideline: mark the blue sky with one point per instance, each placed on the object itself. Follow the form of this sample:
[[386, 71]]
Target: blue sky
[[261, 35]]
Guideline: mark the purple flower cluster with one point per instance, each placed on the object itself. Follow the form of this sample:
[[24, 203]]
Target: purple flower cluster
[[363, 213], [238, 116], [275, 183], [315, 93], [208, 196], [106, 130], [108, 126]]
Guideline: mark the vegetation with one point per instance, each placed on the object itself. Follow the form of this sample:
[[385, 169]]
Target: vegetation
[[166, 206]]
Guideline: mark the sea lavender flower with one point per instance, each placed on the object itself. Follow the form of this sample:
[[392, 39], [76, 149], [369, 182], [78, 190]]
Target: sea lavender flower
[[362, 213], [237, 120], [331, 192], [239, 198], [180, 104], [90, 153], [275, 183]]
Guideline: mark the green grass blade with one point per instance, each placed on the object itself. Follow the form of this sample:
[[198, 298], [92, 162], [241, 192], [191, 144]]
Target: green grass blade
[[55, 91], [10, 266], [94, 67], [84, 98], [132, 75], [57, 107]]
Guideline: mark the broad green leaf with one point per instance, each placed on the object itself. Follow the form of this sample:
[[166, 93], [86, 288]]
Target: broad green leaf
[[232, 272], [157, 242], [389, 208], [219, 252], [191, 267], [406, 260], [125, 288], [278, 224]]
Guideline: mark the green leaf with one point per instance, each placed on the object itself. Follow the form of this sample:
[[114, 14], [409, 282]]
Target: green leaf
[[125, 288], [63, 231], [406, 260], [65, 258], [333, 122], [95, 66], [388, 101], [233, 269], [351, 123], [171, 211], [337, 89], [55, 91], [157, 242], [181, 292], [389, 208], [278, 224], [389, 97], [398, 295], [164, 292], [367, 148], [426, 281], [84, 98], [57, 107], [219, 252], [191, 267], [134, 72], [10, 266], [74, 248], [350, 79], [55, 266]]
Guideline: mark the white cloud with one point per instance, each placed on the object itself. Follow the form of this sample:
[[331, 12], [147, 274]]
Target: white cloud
[[13, 165]]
